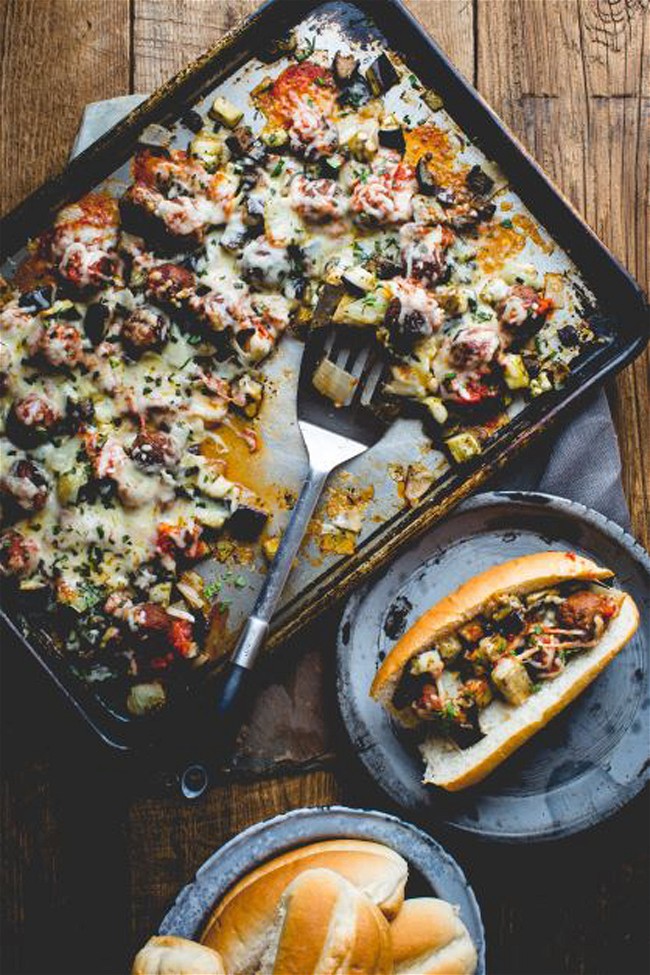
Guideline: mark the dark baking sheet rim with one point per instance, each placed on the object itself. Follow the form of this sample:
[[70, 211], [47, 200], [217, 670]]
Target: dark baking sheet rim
[[609, 280]]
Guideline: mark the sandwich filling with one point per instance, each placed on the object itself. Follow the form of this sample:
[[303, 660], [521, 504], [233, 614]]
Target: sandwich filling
[[506, 652]]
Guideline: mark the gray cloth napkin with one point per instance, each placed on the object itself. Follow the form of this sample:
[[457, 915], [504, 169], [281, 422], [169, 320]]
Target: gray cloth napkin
[[580, 460]]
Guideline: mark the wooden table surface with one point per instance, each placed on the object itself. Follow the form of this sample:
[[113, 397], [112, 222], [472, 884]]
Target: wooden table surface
[[89, 863]]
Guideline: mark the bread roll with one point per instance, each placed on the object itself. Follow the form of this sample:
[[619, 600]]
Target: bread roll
[[324, 925], [525, 574], [506, 726], [169, 955], [239, 923], [429, 938]]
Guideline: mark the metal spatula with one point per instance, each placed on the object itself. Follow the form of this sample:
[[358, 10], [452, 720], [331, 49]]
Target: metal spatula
[[345, 363]]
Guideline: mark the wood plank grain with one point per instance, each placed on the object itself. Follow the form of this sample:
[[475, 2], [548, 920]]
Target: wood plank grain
[[168, 35], [569, 82], [572, 82], [451, 24], [61, 822], [55, 57]]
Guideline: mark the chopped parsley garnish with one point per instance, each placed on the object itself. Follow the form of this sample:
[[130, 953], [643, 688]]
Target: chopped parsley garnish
[[507, 223], [306, 51], [212, 589]]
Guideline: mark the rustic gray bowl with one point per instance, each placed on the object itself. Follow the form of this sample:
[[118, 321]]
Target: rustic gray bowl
[[432, 871]]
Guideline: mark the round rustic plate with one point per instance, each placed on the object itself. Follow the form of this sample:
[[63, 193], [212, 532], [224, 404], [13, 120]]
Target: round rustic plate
[[432, 872], [590, 760]]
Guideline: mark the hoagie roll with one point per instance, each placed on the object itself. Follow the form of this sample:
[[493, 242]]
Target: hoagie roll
[[487, 666]]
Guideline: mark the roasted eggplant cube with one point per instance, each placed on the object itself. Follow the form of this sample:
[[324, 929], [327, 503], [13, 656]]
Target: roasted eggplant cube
[[478, 688], [328, 300], [247, 522], [331, 165], [391, 134], [426, 180], [359, 280], [208, 149], [478, 181], [511, 680], [409, 689], [381, 75], [356, 92], [192, 121], [95, 319], [463, 447], [274, 137], [466, 730], [240, 141]]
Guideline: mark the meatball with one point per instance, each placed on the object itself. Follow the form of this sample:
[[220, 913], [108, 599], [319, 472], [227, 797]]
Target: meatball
[[472, 348], [145, 329], [580, 610], [27, 484], [61, 345], [265, 264], [149, 617], [146, 212], [32, 420], [523, 305], [154, 450], [18, 555], [151, 625], [170, 284], [317, 200], [423, 252]]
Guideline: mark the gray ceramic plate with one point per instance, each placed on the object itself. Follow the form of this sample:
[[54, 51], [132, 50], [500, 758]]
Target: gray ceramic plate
[[590, 760], [431, 870]]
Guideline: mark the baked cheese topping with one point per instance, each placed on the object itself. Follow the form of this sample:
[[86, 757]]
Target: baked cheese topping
[[141, 336]]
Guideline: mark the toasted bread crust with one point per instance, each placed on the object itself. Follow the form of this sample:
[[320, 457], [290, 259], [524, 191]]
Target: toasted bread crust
[[518, 575], [246, 910], [623, 629]]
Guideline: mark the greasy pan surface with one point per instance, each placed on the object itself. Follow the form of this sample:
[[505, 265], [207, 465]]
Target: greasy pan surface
[[590, 759], [623, 324]]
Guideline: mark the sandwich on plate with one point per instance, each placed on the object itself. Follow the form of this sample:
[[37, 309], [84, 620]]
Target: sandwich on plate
[[490, 664]]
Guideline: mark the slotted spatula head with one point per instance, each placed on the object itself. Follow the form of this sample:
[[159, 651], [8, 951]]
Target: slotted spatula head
[[340, 376]]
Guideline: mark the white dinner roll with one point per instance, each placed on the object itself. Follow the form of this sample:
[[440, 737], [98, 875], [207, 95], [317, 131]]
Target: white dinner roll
[[242, 918], [429, 938], [169, 955]]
